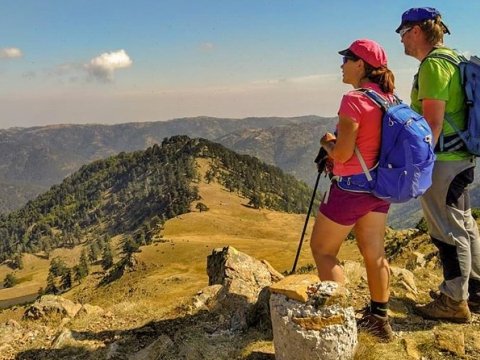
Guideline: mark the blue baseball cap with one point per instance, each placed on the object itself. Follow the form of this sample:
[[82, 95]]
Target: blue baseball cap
[[415, 15]]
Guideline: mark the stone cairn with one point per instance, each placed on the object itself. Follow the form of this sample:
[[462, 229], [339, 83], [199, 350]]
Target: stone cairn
[[311, 320]]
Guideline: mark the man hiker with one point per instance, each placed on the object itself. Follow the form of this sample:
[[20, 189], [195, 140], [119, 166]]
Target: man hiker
[[437, 93]]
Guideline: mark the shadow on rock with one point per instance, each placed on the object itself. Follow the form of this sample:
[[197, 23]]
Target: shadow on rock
[[258, 355]]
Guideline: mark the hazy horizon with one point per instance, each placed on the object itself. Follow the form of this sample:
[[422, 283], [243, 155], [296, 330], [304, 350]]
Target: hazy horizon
[[113, 62]]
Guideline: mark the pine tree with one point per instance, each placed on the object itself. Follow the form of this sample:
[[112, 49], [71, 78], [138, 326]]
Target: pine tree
[[130, 246], [67, 279], [18, 261], [84, 262], [256, 201], [79, 273], [57, 267], [51, 287], [107, 257], [93, 252]]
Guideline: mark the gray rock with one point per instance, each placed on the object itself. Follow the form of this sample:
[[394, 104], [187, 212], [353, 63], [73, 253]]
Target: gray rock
[[206, 297], [308, 331], [65, 337], [50, 304], [403, 282], [242, 279]]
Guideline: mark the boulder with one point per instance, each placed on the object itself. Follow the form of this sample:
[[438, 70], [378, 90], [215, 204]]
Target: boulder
[[242, 279], [320, 328], [51, 304], [205, 298], [63, 338], [239, 272], [403, 283]]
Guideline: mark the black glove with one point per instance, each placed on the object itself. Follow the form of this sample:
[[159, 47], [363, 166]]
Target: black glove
[[321, 159]]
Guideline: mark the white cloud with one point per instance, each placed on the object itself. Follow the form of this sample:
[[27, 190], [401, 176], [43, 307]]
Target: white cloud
[[10, 53], [104, 66]]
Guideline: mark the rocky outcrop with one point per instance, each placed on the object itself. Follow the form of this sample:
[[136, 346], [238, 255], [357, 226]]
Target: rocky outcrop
[[403, 283], [51, 304], [319, 328], [10, 333], [238, 288], [48, 305]]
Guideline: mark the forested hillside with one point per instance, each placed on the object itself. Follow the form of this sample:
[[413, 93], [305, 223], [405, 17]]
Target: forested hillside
[[134, 193], [33, 159]]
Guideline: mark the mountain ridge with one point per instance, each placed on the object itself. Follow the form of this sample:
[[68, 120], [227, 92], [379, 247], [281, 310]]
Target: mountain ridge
[[135, 192], [42, 156]]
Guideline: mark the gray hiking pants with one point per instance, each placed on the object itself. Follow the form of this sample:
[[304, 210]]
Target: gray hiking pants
[[446, 206]]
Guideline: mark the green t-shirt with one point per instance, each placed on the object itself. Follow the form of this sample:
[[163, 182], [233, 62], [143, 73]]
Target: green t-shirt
[[440, 79]]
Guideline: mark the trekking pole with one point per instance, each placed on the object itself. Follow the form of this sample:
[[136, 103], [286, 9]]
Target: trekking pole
[[321, 161]]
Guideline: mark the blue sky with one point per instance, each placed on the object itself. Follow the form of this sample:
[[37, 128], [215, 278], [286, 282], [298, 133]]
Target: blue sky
[[103, 61]]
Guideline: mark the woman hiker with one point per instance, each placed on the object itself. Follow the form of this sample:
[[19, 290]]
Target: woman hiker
[[364, 66]]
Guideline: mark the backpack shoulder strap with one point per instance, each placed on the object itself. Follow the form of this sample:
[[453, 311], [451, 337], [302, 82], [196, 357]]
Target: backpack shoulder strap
[[378, 99], [455, 60], [383, 104]]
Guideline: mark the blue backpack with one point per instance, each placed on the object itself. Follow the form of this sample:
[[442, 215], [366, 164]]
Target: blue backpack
[[404, 168], [470, 74]]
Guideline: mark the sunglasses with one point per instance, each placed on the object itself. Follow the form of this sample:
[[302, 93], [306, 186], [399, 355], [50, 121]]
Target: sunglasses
[[346, 58], [403, 31]]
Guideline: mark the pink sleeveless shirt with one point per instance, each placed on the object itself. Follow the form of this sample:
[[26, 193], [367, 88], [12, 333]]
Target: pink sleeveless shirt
[[361, 109]]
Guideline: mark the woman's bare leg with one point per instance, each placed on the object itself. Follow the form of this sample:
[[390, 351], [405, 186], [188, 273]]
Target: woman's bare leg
[[327, 237], [370, 233]]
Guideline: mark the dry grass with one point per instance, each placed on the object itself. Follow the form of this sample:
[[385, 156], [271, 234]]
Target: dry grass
[[172, 271], [177, 268]]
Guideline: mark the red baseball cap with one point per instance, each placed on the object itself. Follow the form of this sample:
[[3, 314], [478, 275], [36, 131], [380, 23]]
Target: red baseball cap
[[367, 50]]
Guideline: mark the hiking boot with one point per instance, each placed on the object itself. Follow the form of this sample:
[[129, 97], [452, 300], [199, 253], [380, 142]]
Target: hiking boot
[[375, 325], [445, 308], [473, 301]]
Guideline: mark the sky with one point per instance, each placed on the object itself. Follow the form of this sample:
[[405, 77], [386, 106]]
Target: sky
[[107, 62]]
